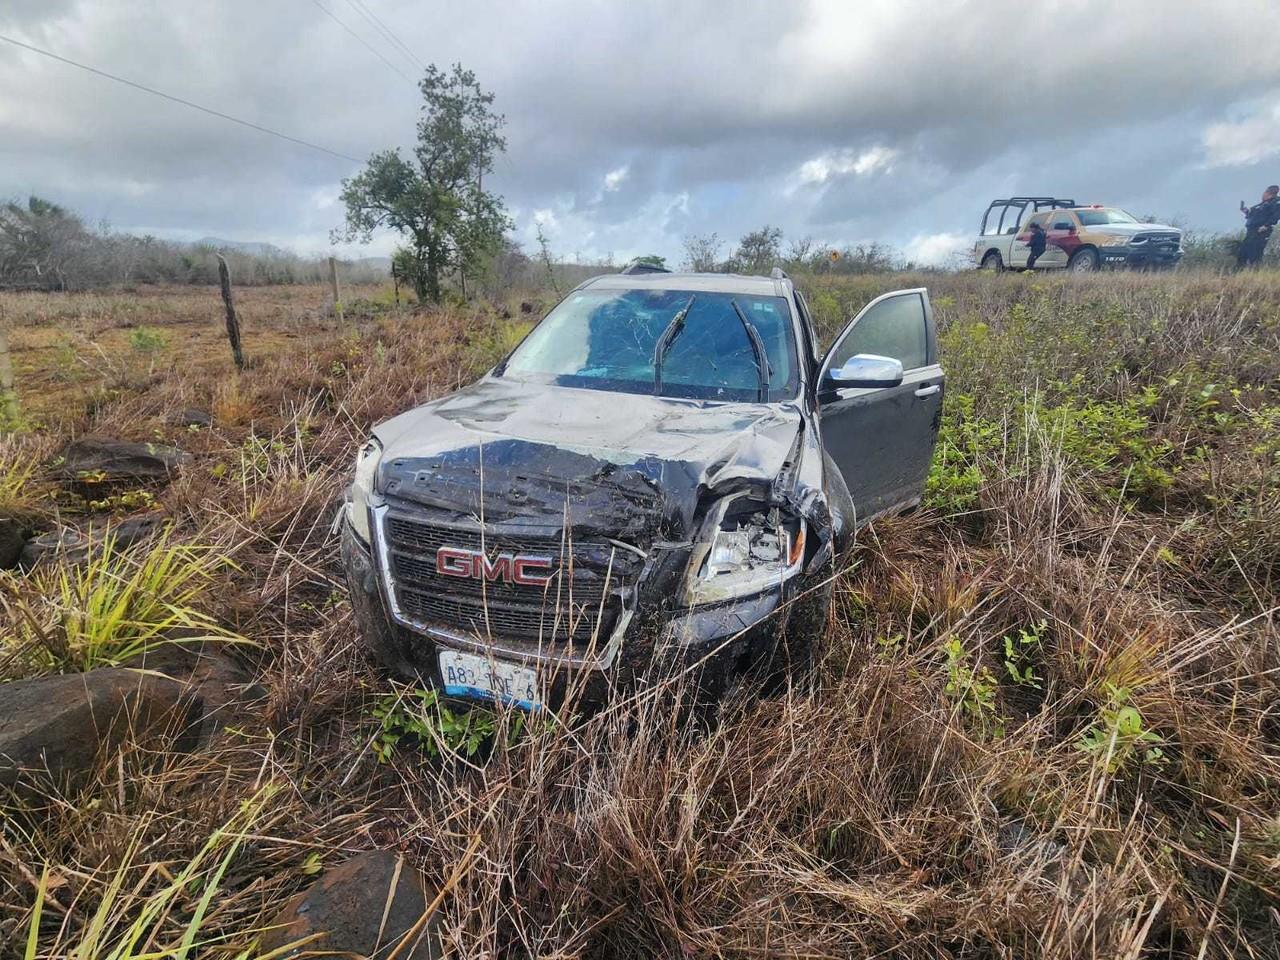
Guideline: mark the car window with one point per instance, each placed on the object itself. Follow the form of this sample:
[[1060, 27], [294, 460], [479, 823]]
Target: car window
[[894, 327], [1040, 218], [1101, 216], [991, 225], [1062, 221], [1012, 217], [605, 340]]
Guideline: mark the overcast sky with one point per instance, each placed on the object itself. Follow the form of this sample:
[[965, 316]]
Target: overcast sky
[[631, 125]]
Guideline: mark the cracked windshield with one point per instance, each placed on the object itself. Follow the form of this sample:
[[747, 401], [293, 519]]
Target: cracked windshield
[[606, 340]]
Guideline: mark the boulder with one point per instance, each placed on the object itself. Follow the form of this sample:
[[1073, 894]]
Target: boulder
[[12, 539], [60, 724], [345, 909], [116, 460], [226, 694], [74, 547], [66, 542], [127, 532], [191, 417]]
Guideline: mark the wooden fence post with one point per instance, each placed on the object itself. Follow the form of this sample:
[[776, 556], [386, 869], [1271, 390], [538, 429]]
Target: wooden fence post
[[8, 394], [333, 286], [395, 282], [233, 324]]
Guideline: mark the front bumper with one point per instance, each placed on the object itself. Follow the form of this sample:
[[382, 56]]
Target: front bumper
[[653, 640], [1140, 255]]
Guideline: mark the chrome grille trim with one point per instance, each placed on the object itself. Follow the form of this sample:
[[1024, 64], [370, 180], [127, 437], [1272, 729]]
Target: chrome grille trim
[[598, 651]]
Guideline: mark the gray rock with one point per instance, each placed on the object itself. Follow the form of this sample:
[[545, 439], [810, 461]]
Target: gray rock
[[346, 906], [227, 693], [60, 725], [191, 417], [115, 460], [130, 530], [12, 539], [72, 546], [66, 543]]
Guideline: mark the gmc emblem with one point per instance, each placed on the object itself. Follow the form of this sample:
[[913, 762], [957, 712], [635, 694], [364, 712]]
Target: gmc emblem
[[509, 567]]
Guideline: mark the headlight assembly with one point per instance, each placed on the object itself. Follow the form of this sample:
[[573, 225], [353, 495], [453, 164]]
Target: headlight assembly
[[367, 461], [753, 548]]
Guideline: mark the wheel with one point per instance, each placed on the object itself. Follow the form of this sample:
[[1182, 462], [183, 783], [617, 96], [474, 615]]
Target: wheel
[[1083, 261], [992, 262]]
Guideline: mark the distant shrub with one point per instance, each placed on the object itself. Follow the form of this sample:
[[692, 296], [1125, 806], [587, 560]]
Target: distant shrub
[[147, 340]]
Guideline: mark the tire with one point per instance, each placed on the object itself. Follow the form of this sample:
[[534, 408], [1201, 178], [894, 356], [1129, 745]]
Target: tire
[[992, 262], [1084, 261]]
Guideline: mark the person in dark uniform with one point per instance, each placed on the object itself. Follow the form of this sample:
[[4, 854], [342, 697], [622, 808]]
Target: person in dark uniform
[[1037, 243], [1259, 221]]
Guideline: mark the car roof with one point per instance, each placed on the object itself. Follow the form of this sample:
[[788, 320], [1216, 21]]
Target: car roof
[[708, 282]]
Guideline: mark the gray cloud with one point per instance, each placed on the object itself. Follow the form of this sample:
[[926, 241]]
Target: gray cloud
[[878, 120]]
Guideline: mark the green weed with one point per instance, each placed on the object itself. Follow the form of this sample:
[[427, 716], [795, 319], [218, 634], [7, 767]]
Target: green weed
[[127, 500], [1120, 736], [422, 718], [966, 441], [974, 690], [1018, 651]]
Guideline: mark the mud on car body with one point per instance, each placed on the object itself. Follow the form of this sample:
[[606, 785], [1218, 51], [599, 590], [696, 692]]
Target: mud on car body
[[663, 474]]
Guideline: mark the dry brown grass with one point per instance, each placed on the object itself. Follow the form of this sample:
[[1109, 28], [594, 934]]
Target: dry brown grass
[[913, 800]]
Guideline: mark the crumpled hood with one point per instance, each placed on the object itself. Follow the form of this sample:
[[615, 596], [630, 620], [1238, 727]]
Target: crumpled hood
[[625, 465]]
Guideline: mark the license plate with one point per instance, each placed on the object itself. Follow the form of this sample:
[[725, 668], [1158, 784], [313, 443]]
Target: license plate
[[484, 678]]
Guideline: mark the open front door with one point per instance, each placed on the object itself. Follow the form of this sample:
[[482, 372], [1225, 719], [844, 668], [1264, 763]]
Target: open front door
[[882, 437]]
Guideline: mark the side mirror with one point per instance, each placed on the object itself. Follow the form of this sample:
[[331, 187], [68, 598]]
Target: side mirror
[[866, 370]]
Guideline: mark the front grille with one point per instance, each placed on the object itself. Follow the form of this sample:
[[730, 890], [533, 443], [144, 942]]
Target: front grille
[[549, 624], [1158, 239], [582, 598]]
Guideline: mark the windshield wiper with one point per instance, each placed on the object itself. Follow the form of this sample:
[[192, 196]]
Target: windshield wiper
[[757, 346], [667, 338]]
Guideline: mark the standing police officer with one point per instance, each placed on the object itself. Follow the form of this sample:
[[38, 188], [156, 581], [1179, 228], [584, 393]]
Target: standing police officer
[[1259, 220], [1036, 244]]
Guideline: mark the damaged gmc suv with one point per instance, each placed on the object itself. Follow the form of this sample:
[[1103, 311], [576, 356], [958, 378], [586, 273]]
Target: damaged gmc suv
[[663, 475]]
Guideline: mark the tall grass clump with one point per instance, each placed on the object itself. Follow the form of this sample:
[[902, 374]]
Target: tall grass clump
[[112, 607], [139, 910]]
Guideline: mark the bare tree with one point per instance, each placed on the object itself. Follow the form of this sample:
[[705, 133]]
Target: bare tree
[[544, 254], [702, 252], [759, 250], [39, 240], [874, 257], [800, 252]]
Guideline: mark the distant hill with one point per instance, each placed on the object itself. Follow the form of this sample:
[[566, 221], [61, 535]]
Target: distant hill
[[258, 249], [240, 246]]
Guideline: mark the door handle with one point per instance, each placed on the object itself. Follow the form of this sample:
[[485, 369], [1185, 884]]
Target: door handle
[[928, 391]]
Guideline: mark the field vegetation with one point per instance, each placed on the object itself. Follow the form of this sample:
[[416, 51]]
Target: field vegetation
[[1045, 721]]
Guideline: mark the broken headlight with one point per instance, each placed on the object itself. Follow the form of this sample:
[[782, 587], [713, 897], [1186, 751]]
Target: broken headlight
[[362, 488], [753, 548]]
